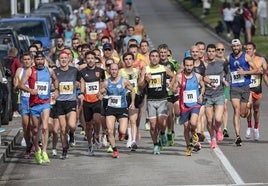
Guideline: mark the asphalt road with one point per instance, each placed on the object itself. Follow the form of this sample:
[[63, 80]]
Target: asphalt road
[[227, 165]]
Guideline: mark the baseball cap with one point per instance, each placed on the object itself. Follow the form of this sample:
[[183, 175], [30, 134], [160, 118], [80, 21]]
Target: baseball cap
[[107, 46], [39, 54], [187, 53], [236, 42]]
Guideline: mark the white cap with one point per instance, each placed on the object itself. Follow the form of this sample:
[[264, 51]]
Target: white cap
[[236, 42]]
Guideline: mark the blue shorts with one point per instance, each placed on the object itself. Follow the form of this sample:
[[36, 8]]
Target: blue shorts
[[186, 116], [24, 109], [36, 110]]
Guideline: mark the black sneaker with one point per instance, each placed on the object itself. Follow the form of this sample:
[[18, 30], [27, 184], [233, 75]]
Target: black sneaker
[[64, 155], [225, 133], [134, 146], [72, 141], [238, 141]]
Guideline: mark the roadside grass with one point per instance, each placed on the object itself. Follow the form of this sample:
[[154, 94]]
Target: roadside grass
[[213, 18]]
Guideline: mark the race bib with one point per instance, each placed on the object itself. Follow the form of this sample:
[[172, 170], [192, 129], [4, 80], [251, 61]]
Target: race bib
[[66, 88], [114, 101], [237, 78], [254, 81], [155, 82], [93, 35], [189, 96], [92, 87], [215, 79], [42, 87]]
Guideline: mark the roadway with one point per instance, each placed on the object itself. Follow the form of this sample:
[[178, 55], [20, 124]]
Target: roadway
[[166, 23]]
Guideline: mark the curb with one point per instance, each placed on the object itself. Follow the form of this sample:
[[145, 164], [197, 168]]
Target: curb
[[8, 142]]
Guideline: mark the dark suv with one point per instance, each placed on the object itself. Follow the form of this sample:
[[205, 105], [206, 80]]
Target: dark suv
[[5, 88]]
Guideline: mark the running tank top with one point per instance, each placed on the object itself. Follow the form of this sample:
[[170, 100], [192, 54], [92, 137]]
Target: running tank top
[[201, 69], [67, 84], [116, 93], [133, 78], [256, 80], [40, 80], [24, 96], [156, 88], [238, 80], [189, 93]]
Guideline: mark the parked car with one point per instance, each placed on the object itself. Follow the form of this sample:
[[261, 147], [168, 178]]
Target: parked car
[[31, 26], [10, 37], [5, 88]]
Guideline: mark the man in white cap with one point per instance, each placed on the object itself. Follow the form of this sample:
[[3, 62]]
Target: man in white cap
[[241, 68]]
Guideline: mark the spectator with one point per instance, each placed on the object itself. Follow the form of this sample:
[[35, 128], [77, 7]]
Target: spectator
[[238, 23], [249, 22], [219, 28], [262, 16], [228, 17], [206, 7]]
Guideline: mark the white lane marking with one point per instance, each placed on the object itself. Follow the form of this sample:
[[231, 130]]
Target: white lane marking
[[230, 169]]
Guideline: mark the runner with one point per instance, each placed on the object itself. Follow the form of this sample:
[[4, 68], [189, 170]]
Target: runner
[[68, 78], [38, 77], [92, 77], [154, 79], [241, 67], [191, 90], [117, 109], [255, 91]]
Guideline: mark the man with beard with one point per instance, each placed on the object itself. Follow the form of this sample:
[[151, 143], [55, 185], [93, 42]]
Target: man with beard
[[241, 68], [39, 80], [56, 50], [191, 90]]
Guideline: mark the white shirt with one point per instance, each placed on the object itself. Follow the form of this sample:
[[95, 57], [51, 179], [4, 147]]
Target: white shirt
[[262, 9]]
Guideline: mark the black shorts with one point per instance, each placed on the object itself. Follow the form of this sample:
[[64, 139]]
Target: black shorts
[[53, 112], [173, 99], [117, 112], [104, 104], [138, 99], [64, 107], [90, 109]]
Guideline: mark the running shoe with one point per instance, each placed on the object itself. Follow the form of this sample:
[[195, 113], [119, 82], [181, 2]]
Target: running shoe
[[128, 145], [54, 152], [219, 135], [147, 126], [110, 149], [27, 155], [91, 150], [45, 157], [156, 149], [162, 141], [196, 146], [38, 157], [2, 129], [134, 146], [97, 143], [256, 134], [249, 132], [121, 136], [82, 132], [115, 154], [238, 141], [225, 133], [188, 151], [169, 138], [213, 144], [195, 137], [104, 140], [64, 154], [72, 141]]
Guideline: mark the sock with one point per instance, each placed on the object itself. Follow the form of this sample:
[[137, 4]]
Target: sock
[[256, 126], [249, 124], [114, 149], [129, 134]]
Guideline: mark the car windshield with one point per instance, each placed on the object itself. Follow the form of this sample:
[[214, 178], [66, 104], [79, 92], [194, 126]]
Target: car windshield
[[30, 28]]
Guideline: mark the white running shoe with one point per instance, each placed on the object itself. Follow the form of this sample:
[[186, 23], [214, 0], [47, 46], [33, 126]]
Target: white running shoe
[[147, 126], [249, 132], [256, 134], [128, 145]]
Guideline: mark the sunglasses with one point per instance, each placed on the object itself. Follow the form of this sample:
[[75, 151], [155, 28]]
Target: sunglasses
[[220, 49]]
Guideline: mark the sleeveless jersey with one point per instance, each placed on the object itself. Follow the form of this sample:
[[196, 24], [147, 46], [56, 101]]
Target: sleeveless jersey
[[24, 96], [92, 78], [67, 83], [133, 78], [238, 80], [172, 68], [256, 80], [189, 93], [201, 69], [40, 80], [116, 93], [156, 88]]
